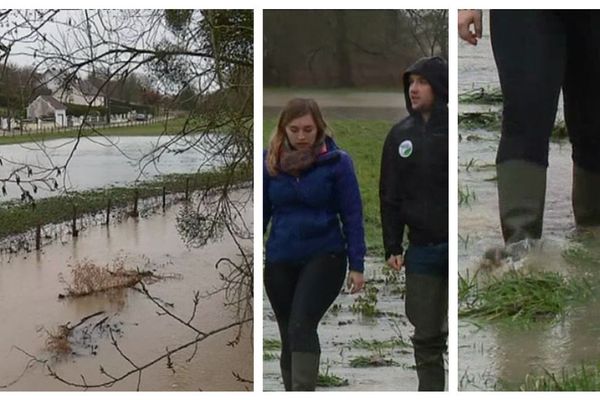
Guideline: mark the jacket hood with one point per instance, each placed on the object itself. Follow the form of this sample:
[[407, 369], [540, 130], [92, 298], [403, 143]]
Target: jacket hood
[[435, 70]]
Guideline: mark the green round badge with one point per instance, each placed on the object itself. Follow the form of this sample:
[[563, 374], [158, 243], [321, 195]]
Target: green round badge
[[405, 149]]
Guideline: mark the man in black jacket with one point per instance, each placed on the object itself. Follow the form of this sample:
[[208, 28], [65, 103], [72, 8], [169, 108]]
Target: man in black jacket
[[414, 193]]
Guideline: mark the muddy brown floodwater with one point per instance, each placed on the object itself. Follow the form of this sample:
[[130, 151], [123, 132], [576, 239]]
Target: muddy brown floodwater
[[500, 355], [30, 284]]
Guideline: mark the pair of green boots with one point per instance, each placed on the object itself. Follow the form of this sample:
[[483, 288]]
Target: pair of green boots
[[521, 195]]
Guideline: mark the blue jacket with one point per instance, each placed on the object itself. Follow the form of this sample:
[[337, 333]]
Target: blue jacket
[[316, 213]]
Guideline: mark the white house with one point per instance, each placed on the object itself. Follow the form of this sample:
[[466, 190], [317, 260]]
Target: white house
[[72, 90], [48, 106]]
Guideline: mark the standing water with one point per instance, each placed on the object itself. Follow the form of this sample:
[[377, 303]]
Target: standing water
[[29, 308], [501, 355]]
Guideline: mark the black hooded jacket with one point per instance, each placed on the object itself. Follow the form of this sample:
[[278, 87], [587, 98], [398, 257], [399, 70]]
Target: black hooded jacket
[[413, 186]]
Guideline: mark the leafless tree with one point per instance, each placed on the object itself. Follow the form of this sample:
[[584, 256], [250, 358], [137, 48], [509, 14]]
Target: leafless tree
[[200, 61]]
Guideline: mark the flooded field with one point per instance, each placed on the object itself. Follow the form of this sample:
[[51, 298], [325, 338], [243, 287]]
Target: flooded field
[[500, 355], [368, 349], [30, 285], [100, 162], [351, 104]]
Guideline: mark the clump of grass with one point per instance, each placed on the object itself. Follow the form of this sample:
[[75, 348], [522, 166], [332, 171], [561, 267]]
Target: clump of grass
[[366, 304], [374, 360], [328, 379], [559, 131], [270, 356], [271, 344], [586, 378], [465, 195], [378, 345], [580, 256], [481, 96], [488, 120], [519, 296]]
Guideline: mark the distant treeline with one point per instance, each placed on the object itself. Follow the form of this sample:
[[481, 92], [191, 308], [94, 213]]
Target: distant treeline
[[347, 48]]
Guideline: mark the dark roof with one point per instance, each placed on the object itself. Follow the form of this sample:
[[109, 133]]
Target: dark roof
[[57, 105]]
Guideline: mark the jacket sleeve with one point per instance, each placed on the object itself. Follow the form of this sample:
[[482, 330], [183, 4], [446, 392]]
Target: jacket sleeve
[[267, 208], [392, 224], [350, 210]]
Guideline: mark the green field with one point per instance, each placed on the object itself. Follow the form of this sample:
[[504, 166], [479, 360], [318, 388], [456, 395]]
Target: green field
[[18, 218], [154, 129], [363, 140]]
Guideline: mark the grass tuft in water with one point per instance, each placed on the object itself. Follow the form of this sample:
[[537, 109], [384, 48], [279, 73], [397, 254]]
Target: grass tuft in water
[[465, 196], [270, 356], [378, 345], [328, 379], [366, 304], [481, 96], [585, 378], [374, 360], [488, 120], [519, 296], [271, 344]]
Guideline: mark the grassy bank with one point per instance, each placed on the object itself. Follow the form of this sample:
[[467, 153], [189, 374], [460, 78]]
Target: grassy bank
[[153, 129], [363, 140], [18, 218]]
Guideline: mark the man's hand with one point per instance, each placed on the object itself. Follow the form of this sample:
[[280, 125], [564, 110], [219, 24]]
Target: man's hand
[[356, 281], [396, 262], [466, 20]]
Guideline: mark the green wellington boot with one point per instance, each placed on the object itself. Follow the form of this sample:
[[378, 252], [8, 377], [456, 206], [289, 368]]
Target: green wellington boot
[[521, 195], [305, 371], [286, 375], [586, 197]]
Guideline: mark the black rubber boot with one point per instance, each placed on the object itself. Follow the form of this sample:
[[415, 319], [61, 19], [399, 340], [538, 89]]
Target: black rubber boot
[[305, 371], [521, 196], [586, 197]]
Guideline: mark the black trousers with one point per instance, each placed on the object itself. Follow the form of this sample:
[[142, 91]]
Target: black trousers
[[300, 294], [538, 53]]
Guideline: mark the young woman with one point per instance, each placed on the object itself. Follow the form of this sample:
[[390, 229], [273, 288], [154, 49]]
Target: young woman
[[312, 201]]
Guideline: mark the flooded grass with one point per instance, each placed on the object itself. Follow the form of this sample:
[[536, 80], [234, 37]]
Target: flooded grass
[[363, 141], [366, 304], [270, 357], [374, 360], [466, 196], [585, 378], [271, 344], [18, 217], [519, 296], [378, 345], [328, 379], [488, 120], [481, 96]]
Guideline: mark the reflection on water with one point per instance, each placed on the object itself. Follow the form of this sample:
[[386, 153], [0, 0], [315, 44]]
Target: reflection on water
[[100, 162], [492, 355], [29, 286]]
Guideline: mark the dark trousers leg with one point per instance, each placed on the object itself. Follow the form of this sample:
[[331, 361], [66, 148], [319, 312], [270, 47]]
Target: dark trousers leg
[[427, 310], [530, 52], [582, 104], [300, 295]]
